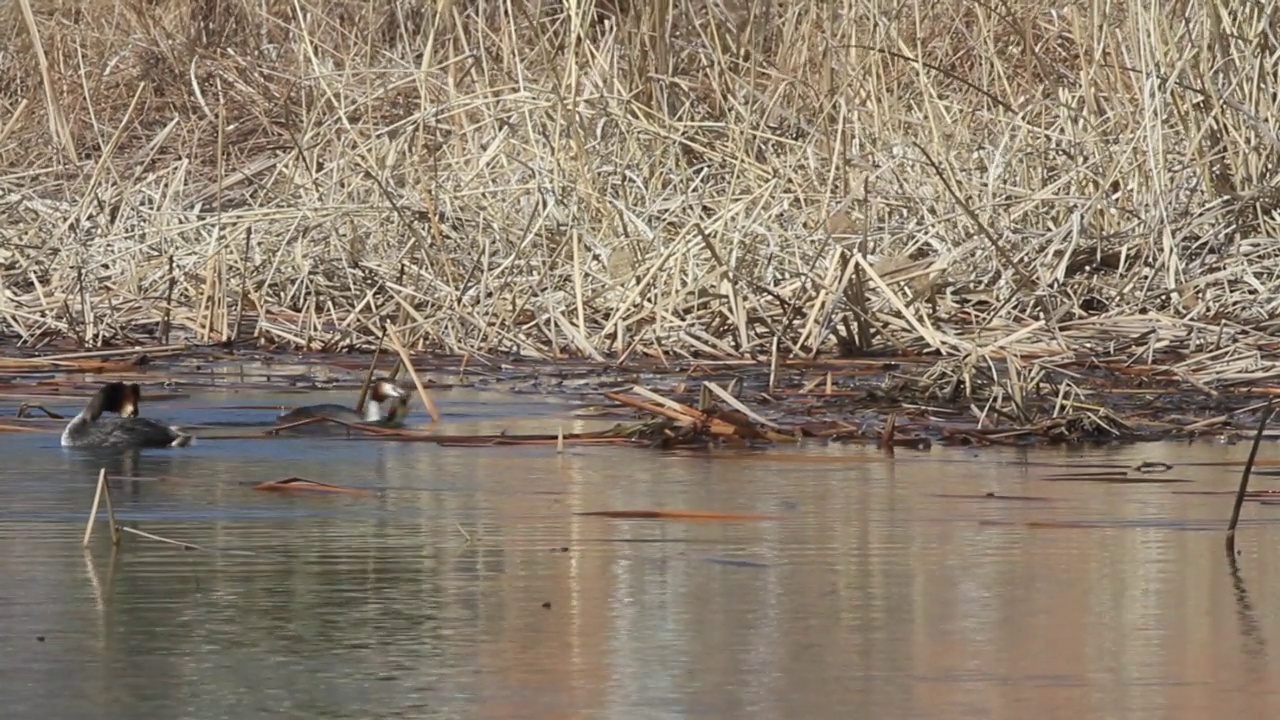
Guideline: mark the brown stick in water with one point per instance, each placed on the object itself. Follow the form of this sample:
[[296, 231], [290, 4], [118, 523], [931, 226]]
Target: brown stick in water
[[368, 377], [1244, 479], [407, 362]]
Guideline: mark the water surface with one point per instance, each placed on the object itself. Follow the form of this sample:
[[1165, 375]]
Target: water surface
[[466, 586]]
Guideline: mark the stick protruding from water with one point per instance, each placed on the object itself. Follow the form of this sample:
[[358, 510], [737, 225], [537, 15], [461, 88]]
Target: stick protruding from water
[[407, 362], [1244, 478], [101, 491], [368, 377]]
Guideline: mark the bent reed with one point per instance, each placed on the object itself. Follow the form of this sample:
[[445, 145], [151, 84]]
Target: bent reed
[[686, 178]]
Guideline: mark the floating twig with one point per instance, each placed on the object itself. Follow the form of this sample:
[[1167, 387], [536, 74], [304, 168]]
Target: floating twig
[[298, 484], [183, 544], [27, 407], [464, 532], [674, 515]]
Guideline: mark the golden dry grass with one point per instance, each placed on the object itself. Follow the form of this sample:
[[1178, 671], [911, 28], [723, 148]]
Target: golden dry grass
[[677, 178]]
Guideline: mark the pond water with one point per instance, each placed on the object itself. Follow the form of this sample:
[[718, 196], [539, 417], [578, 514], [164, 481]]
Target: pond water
[[467, 586]]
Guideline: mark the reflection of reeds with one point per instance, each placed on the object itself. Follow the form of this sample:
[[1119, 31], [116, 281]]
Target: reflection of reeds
[[667, 179], [1251, 631]]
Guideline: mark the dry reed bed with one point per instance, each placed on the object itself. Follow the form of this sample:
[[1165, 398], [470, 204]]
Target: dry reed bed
[[700, 178]]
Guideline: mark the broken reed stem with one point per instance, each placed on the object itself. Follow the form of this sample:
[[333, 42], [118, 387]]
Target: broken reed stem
[[368, 377], [408, 365], [62, 138], [102, 491], [111, 509], [1244, 478], [368, 429], [773, 364], [93, 510], [275, 430], [152, 536], [166, 316], [886, 437], [244, 285], [465, 534], [182, 544]]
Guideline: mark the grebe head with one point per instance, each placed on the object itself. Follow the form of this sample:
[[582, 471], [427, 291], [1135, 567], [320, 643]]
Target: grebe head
[[384, 389], [387, 401], [111, 397]]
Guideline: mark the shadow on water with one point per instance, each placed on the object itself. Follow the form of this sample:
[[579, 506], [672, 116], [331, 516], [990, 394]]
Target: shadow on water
[[936, 584]]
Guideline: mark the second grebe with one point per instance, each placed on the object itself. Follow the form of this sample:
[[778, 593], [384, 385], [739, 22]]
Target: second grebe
[[387, 405], [89, 429]]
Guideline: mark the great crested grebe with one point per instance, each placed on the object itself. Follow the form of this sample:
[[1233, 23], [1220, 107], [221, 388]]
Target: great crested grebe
[[387, 405], [90, 430]]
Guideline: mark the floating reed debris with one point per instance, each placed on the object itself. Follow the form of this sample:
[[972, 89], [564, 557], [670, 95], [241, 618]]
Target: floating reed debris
[[619, 435], [703, 403], [89, 361], [182, 544], [25, 409], [690, 426], [12, 427], [1110, 477], [731, 562], [317, 420], [1249, 495], [1059, 524], [674, 515], [298, 484], [993, 496], [603, 437]]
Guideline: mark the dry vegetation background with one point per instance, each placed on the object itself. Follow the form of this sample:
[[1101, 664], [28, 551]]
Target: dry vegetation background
[[675, 177]]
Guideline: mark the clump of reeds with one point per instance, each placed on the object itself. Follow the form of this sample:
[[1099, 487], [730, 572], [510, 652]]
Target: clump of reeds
[[693, 177]]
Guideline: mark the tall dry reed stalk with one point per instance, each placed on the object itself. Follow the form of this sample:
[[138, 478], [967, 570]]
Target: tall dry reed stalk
[[677, 177]]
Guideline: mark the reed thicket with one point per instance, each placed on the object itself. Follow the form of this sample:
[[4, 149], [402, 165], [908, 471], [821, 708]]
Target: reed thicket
[[677, 177]]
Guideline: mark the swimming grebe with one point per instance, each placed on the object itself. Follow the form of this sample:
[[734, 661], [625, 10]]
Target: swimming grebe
[[387, 405], [89, 429]]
